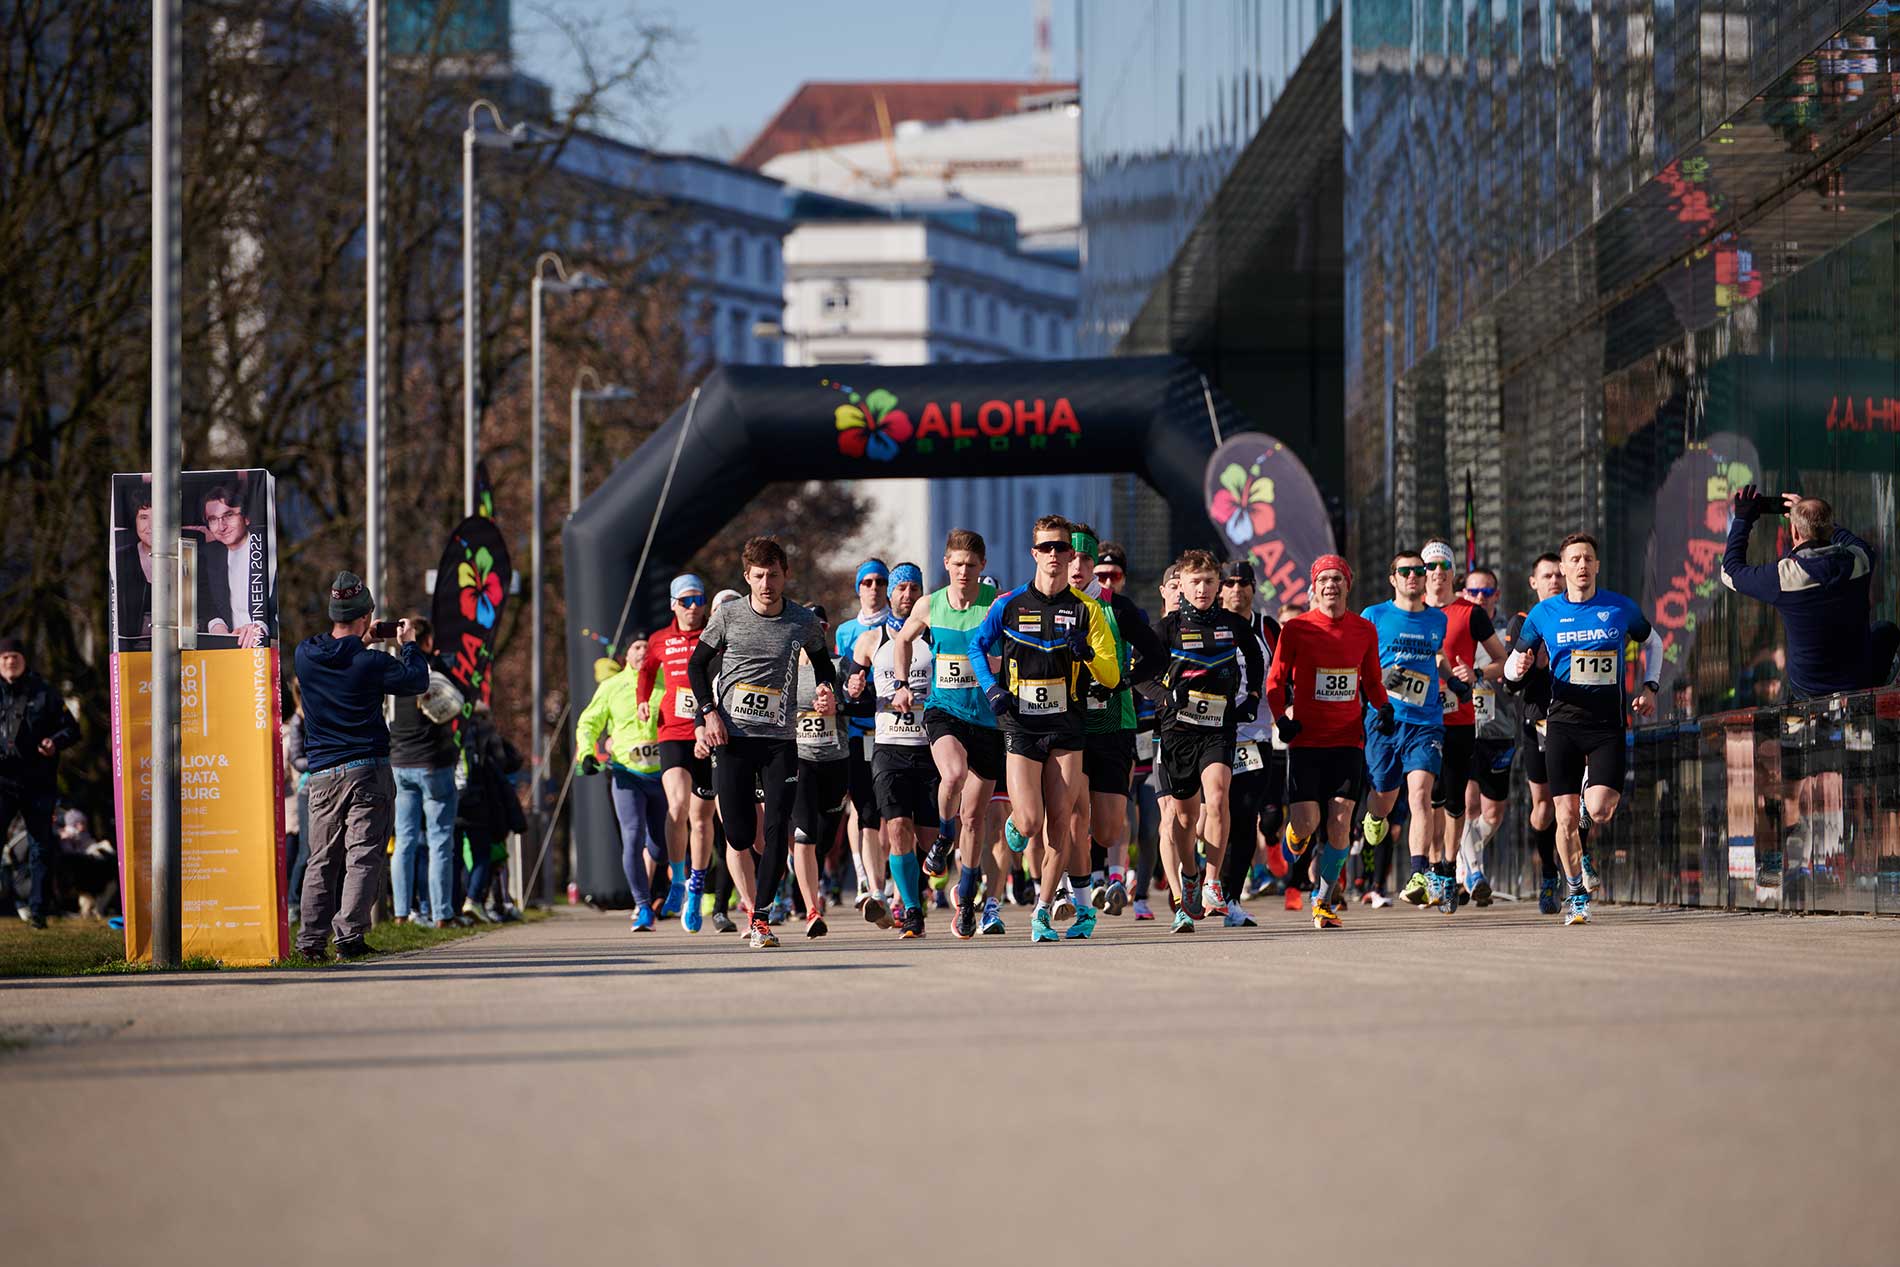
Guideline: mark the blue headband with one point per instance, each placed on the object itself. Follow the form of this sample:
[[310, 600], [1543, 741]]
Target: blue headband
[[907, 572], [870, 568]]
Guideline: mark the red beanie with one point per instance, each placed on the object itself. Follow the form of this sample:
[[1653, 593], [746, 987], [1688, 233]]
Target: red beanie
[[1327, 563]]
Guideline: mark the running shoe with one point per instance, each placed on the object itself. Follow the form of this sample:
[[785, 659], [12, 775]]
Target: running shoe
[[1040, 929], [964, 925], [1480, 889], [1213, 899], [1591, 880], [937, 861], [942, 900], [1191, 901], [1445, 894], [1183, 923], [875, 912], [1016, 840], [642, 918], [1417, 889], [1098, 897], [1237, 917], [1021, 891], [1295, 900], [913, 926], [1084, 925], [1547, 900], [1325, 915], [779, 909], [1374, 830], [675, 899], [1379, 899], [992, 918], [722, 923], [1064, 907], [763, 938], [815, 925], [1141, 909], [693, 914], [1117, 897], [1577, 909]]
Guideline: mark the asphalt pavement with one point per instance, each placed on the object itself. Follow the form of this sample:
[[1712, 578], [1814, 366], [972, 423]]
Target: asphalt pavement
[[1416, 1088]]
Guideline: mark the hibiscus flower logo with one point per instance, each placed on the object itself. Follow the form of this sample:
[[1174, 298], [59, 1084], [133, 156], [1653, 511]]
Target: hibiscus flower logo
[[1243, 508], [870, 425], [481, 588]]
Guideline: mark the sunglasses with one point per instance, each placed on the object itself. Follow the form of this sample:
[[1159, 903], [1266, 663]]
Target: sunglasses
[[1408, 570], [1108, 574], [1228, 582], [1438, 567], [871, 580], [1057, 548], [691, 600], [1482, 591]]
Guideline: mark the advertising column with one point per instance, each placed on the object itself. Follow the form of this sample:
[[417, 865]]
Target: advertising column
[[230, 721]]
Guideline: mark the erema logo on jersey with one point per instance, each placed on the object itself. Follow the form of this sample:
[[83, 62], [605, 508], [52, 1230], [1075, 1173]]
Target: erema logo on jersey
[[870, 425], [1567, 636]]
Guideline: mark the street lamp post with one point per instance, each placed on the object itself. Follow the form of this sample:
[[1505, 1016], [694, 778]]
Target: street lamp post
[[166, 842], [561, 283], [502, 138], [575, 399], [373, 313]]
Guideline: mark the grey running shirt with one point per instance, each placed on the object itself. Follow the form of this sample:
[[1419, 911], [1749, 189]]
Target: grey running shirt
[[820, 738], [756, 655]]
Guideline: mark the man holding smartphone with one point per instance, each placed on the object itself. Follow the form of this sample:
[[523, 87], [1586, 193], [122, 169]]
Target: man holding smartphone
[[346, 745]]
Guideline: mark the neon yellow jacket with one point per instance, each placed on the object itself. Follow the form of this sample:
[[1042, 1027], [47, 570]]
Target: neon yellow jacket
[[631, 743]]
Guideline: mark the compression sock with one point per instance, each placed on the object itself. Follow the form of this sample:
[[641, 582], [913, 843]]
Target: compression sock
[[947, 831], [905, 878], [1331, 862], [1545, 841], [696, 881], [1374, 829], [678, 871], [1098, 858], [967, 880], [1420, 863]]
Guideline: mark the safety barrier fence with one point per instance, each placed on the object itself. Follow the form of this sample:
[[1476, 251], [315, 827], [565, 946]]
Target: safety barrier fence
[[1793, 807]]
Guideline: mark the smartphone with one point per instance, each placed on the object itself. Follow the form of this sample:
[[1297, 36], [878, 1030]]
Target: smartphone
[[1768, 504], [383, 630]]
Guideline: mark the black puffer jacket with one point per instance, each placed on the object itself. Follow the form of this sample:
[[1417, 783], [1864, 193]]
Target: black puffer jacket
[[488, 808], [29, 712]]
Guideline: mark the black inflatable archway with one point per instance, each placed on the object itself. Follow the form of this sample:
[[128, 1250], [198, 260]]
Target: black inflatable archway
[[756, 425]]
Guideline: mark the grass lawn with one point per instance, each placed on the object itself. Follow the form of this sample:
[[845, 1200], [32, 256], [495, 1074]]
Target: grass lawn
[[71, 947]]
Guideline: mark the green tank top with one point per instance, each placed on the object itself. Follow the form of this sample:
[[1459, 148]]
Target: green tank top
[[955, 691]]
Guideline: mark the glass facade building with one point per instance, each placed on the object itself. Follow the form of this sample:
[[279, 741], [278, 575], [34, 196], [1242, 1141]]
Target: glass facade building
[[1597, 264]]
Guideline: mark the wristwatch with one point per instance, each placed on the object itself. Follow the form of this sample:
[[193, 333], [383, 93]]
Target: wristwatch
[[1652, 687], [708, 708]]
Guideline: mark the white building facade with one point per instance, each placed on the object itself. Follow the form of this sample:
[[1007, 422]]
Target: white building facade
[[938, 283]]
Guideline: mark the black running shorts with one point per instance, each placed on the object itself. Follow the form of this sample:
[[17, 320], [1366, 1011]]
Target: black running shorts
[[1491, 768], [863, 791], [677, 754], [1108, 762], [1185, 753], [1320, 775], [1536, 769], [982, 745], [905, 777], [1037, 747], [1448, 789], [1570, 750]]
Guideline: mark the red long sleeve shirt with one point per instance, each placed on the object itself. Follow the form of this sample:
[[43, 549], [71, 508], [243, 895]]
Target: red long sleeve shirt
[[1327, 667], [670, 649]]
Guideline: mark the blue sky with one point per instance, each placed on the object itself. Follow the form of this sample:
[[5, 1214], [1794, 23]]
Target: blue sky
[[743, 58]]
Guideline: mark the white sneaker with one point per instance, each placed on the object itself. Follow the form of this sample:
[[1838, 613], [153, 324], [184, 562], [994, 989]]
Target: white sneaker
[[1098, 897], [1064, 907], [1380, 899]]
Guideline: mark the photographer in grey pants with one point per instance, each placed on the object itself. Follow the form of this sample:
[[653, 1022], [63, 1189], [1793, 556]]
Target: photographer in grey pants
[[346, 746]]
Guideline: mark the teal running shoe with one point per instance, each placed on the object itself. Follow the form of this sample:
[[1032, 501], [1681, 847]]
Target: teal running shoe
[[1040, 929], [1017, 841], [1183, 923], [1446, 894], [1578, 909], [1591, 880], [1084, 924], [675, 898]]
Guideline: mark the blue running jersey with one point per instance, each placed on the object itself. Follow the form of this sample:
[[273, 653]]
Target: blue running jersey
[[1410, 640], [1587, 643]]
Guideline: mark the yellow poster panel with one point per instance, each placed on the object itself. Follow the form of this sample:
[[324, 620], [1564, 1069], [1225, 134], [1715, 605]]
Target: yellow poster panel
[[231, 803]]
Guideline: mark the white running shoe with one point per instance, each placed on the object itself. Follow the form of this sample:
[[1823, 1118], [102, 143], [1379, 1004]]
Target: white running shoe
[[1064, 907], [1380, 899]]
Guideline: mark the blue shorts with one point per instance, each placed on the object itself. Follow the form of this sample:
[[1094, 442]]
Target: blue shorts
[[1414, 746]]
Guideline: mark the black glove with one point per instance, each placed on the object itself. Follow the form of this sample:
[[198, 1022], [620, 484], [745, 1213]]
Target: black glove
[[1286, 728], [1393, 676], [1096, 690], [1742, 504], [1000, 703], [1461, 689], [1388, 724], [1079, 645], [590, 764], [1248, 709]]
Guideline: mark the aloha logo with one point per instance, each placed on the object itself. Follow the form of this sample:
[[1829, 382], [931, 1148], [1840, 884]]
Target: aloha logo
[[1243, 507], [481, 587], [870, 425]]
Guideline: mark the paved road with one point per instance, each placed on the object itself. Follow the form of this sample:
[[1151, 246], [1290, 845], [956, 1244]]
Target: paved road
[[1487, 1087]]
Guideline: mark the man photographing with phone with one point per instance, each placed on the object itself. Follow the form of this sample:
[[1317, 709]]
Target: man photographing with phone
[[352, 790], [1821, 587]]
